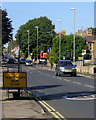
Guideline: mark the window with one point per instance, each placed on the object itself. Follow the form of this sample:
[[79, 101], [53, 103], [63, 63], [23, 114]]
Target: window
[[91, 46]]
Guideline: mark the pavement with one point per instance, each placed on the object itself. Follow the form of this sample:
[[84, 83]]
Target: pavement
[[21, 108]]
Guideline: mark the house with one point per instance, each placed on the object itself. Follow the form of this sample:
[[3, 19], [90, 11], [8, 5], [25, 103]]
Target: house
[[87, 32], [95, 50], [90, 39], [63, 32]]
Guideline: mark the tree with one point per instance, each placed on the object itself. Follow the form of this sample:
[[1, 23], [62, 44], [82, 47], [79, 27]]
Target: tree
[[11, 45], [6, 28], [45, 35], [67, 47]]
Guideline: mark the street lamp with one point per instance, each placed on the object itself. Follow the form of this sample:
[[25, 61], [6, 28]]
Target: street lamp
[[59, 39], [37, 43], [28, 42], [74, 37]]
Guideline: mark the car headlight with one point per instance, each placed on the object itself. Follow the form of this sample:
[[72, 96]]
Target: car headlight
[[62, 68], [73, 68]]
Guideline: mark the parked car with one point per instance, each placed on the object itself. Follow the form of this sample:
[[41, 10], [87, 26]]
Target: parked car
[[6, 59], [22, 61], [29, 62], [11, 61], [65, 67]]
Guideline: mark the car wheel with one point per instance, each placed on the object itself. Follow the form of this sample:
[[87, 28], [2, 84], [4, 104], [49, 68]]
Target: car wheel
[[59, 74], [56, 74], [75, 75]]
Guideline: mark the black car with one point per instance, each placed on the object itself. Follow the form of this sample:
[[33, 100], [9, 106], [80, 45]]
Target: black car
[[23, 61], [11, 61], [65, 67]]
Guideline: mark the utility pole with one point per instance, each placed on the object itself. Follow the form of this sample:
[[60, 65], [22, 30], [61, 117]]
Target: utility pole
[[37, 44], [59, 40], [74, 37], [28, 43]]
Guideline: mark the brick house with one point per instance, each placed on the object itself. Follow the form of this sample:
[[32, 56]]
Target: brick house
[[90, 39], [95, 50]]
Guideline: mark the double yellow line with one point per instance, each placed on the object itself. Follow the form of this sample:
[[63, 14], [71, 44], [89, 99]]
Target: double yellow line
[[51, 110]]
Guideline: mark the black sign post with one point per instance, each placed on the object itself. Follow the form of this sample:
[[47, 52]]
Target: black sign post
[[20, 35]]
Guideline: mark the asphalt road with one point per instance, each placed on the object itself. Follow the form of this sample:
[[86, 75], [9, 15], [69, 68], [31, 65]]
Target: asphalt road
[[71, 97]]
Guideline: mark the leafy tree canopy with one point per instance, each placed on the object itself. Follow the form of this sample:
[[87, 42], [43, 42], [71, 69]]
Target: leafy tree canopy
[[6, 28], [67, 47], [45, 35]]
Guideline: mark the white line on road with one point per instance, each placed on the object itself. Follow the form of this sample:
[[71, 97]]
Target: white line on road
[[59, 78], [53, 76], [67, 80], [48, 75], [89, 86], [76, 82]]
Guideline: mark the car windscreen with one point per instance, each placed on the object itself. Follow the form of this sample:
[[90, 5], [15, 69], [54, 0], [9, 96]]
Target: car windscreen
[[29, 61], [22, 59], [66, 63]]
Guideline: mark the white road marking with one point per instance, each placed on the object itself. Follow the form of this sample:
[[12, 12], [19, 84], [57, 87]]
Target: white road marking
[[89, 86], [84, 98], [67, 80], [77, 83], [59, 78], [53, 76], [93, 96], [48, 75]]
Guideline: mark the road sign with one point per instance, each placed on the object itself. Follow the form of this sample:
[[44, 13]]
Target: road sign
[[31, 53], [63, 57], [83, 52], [80, 58], [48, 49], [14, 80]]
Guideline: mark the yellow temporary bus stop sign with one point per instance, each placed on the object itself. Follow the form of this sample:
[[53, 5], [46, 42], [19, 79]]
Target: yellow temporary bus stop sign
[[14, 79]]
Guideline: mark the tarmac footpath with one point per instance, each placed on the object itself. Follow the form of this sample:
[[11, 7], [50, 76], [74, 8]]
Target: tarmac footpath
[[22, 108]]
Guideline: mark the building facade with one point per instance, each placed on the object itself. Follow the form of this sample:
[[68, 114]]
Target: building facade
[[90, 39]]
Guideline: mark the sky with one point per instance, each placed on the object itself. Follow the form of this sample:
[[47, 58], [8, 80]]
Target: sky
[[22, 12]]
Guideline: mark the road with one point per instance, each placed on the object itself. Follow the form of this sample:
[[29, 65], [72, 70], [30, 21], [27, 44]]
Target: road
[[72, 97], [64, 97]]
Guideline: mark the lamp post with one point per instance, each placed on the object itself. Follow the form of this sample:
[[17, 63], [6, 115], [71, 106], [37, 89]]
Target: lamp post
[[28, 42], [59, 39], [37, 43], [74, 37]]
